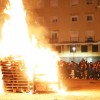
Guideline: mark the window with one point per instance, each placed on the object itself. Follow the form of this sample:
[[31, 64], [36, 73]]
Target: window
[[94, 48], [74, 36], [89, 36], [84, 48], [89, 2], [54, 19], [39, 3], [53, 3], [90, 39], [74, 2], [54, 36], [89, 18], [98, 4], [98, 47], [74, 18], [60, 48]]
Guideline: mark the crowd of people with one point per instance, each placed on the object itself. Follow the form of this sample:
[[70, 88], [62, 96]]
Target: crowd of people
[[82, 70]]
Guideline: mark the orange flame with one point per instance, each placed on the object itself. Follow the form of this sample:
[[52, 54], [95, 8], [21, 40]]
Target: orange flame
[[16, 42]]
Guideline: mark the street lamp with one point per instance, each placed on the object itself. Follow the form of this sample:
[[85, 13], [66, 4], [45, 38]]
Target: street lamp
[[74, 50]]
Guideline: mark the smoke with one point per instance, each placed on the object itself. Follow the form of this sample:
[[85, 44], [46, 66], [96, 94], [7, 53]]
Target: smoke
[[35, 25], [3, 16]]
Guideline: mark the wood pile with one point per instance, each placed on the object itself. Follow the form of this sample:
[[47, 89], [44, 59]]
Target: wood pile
[[14, 76]]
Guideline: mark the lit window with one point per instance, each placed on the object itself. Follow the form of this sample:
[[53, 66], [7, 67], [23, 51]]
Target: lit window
[[89, 1], [89, 17], [74, 2], [53, 3], [74, 18]]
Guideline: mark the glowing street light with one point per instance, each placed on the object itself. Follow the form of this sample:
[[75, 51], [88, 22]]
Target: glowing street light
[[74, 50]]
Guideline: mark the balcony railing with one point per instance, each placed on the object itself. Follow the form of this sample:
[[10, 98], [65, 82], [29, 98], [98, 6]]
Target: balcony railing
[[53, 40]]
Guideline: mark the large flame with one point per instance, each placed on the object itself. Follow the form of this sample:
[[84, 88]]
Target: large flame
[[15, 39], [16, 42]]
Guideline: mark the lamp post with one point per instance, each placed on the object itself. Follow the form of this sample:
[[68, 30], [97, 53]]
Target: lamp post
[[74, 50]]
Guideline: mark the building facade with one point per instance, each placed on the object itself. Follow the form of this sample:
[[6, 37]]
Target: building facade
[[73, 27]]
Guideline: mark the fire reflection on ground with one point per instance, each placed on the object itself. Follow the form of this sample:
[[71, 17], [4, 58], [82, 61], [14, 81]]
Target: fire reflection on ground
[[75, 95]]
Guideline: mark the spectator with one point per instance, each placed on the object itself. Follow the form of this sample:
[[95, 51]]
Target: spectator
[[83, 70]]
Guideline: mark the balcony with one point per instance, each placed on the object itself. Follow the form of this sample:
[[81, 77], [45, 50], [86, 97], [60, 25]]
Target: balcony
[[89, 39], [53, 40]]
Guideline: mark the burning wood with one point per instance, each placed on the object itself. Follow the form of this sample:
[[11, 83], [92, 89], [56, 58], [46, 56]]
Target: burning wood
[[33, 59]]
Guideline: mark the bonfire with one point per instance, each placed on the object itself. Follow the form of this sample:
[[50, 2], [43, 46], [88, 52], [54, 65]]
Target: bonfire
[[23, 60]]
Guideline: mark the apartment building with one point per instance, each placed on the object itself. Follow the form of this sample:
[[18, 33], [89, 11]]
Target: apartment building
[[73, 27]]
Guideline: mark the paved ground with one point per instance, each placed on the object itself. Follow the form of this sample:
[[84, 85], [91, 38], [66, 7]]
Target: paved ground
[[75, 95], [77, 90], [81, 84]]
